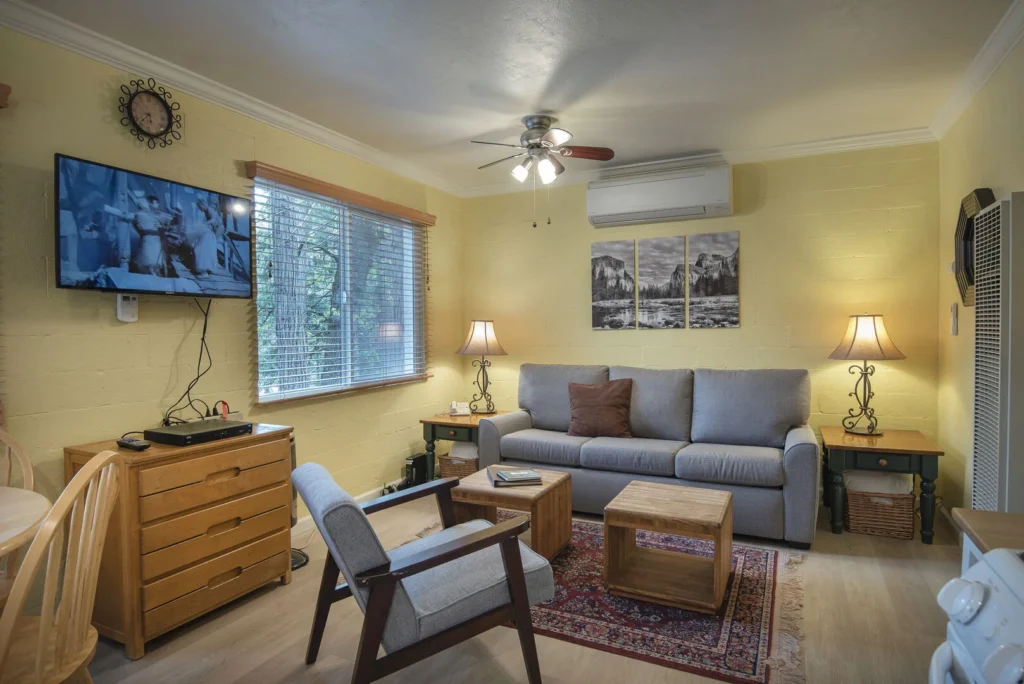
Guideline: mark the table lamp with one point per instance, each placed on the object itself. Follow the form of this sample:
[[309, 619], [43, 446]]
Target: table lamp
[[865, 340], [481, 342]]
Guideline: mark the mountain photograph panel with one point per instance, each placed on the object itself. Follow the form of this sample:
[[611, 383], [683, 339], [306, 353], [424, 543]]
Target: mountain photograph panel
[[714, 280], [661, 275], [612, 285]]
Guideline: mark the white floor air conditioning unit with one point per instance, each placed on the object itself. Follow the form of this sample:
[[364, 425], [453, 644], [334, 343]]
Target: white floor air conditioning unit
[[691, 193], [998, 458]]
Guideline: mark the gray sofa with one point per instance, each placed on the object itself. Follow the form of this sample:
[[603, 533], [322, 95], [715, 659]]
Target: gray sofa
[[742, 431]]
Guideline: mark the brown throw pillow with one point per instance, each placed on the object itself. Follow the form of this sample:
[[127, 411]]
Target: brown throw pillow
[[600, 410]]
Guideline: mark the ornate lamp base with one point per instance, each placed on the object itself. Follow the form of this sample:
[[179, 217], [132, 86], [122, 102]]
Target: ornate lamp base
[[863, 394], [486, 406]]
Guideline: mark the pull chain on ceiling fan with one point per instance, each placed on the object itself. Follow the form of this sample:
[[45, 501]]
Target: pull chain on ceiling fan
[[542, 146]]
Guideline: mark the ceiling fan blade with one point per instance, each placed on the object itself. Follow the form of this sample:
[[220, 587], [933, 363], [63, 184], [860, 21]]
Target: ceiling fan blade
[[484, 142], [556, 137], [501, 160], [594, 153]]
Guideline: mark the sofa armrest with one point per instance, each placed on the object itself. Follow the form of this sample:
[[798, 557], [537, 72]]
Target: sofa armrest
[[802, 466], [493, 429]]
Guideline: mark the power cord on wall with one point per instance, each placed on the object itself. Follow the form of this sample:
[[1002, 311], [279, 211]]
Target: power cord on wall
[[189, 402]]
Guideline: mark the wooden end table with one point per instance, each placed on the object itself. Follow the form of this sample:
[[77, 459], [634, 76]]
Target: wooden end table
[[549, 505], [987, 530], [453, 429], [896, 451], [668, 577]]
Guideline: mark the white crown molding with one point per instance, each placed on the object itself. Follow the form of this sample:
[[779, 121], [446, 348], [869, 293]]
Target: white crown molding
[[51, 28], [1008, 32], [851, 143]]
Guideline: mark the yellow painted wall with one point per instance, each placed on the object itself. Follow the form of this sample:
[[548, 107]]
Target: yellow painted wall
[[73, 374], [985, 148], [820, 238]]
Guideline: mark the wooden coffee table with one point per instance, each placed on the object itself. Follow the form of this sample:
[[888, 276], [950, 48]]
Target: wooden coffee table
[[549, 505], [668, 577]]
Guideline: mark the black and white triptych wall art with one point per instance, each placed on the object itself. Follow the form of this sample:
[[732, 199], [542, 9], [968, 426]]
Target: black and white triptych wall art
[[666, 282]]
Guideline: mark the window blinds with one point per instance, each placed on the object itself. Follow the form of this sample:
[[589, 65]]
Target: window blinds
[[340, 295]]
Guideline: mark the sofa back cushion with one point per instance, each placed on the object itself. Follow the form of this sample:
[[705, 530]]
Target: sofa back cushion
[[662, 402], [753, 407], [544, 391], [600, 410]]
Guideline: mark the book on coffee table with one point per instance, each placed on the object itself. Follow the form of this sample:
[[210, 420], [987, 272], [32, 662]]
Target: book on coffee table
[[512, 477]]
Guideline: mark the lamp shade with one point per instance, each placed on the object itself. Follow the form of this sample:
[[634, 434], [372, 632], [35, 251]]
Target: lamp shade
[[481, 341], [867, 340]]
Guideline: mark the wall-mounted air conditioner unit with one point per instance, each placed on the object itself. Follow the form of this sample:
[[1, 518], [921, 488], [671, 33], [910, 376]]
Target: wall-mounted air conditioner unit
[[690, 193]]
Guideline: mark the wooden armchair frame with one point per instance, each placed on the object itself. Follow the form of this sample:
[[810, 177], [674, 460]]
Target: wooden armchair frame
[[383, 580]]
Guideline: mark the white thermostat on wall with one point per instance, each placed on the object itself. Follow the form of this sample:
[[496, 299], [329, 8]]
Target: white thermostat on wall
[[127, 308]]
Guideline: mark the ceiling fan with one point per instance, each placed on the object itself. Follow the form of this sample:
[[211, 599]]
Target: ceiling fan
[[542, 145]]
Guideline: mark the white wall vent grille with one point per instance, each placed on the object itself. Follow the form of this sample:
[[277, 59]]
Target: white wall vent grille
[[988, 328]]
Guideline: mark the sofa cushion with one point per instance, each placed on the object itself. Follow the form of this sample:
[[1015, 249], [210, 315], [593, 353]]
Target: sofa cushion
[[642, 456], [544, 391], [440, 603], [731, 464], [662, 403], [543, 446], [754, 407], [600, 410]]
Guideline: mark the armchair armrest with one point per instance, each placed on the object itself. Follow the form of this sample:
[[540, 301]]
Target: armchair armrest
[[493, 429], [406, 495], [443, 553]]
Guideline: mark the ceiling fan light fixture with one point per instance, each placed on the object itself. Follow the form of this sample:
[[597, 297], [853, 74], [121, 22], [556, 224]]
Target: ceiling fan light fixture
[[522, 171], [549, 169]]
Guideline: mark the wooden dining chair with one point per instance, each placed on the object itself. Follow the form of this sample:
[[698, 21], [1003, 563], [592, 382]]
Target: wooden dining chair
[[11, 451], [58, 645]]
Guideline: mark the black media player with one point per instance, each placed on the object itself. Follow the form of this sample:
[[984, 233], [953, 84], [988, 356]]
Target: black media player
[[197, 432]]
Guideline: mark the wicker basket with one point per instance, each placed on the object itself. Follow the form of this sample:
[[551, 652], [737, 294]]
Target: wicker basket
[[883, 515], [458, 466]]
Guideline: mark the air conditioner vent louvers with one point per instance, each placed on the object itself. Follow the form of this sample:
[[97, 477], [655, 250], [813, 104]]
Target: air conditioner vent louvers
[[988, 354]]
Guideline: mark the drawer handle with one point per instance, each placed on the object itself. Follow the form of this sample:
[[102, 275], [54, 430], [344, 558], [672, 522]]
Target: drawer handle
[[222, 527], [882, 462], [451, 433], [224, 577], [222, 475]]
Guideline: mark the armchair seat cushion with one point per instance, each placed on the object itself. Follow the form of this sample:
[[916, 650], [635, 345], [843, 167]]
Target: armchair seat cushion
[[542, 446], [641, 456], [731, 464], [462, 589]]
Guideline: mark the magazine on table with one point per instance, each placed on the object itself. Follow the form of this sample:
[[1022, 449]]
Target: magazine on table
[[501, 476]]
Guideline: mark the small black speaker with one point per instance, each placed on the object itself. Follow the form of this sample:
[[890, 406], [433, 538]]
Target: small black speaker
[[415, 470]]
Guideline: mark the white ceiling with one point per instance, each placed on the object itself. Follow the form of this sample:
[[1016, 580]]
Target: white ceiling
[[653, 79]]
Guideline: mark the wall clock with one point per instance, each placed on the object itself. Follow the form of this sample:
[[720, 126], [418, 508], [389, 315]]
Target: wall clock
[[963, 248], [149, 114]]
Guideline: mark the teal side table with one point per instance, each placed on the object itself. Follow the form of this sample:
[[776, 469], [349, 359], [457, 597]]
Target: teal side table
[[451, 428], [896, 451]]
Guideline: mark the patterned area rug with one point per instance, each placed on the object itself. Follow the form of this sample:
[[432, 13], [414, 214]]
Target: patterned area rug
[[754, 639]]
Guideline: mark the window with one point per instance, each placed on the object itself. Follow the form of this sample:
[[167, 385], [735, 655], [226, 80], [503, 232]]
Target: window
[[339, 294]]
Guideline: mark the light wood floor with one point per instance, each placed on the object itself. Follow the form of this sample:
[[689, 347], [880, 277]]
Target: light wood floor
[[870, 616]]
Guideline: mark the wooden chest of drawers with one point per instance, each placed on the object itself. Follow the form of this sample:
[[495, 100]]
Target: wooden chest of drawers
[[195, 528]]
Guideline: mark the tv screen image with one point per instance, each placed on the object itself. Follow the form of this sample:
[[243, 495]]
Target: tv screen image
[[129, 232]]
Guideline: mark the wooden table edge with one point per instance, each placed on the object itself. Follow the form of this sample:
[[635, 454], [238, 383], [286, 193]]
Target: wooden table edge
[[19, 540]]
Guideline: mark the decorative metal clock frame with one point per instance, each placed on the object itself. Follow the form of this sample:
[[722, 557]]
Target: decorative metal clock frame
[[963, 248], [137, 87]]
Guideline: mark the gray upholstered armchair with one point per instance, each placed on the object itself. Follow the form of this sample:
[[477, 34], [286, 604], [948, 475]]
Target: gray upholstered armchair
[[426, 595]]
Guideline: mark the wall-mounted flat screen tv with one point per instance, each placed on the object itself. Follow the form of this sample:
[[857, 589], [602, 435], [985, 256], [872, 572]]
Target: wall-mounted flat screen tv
[[122, 231]]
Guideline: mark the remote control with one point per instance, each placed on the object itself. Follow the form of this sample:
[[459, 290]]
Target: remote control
[[133, 444]]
